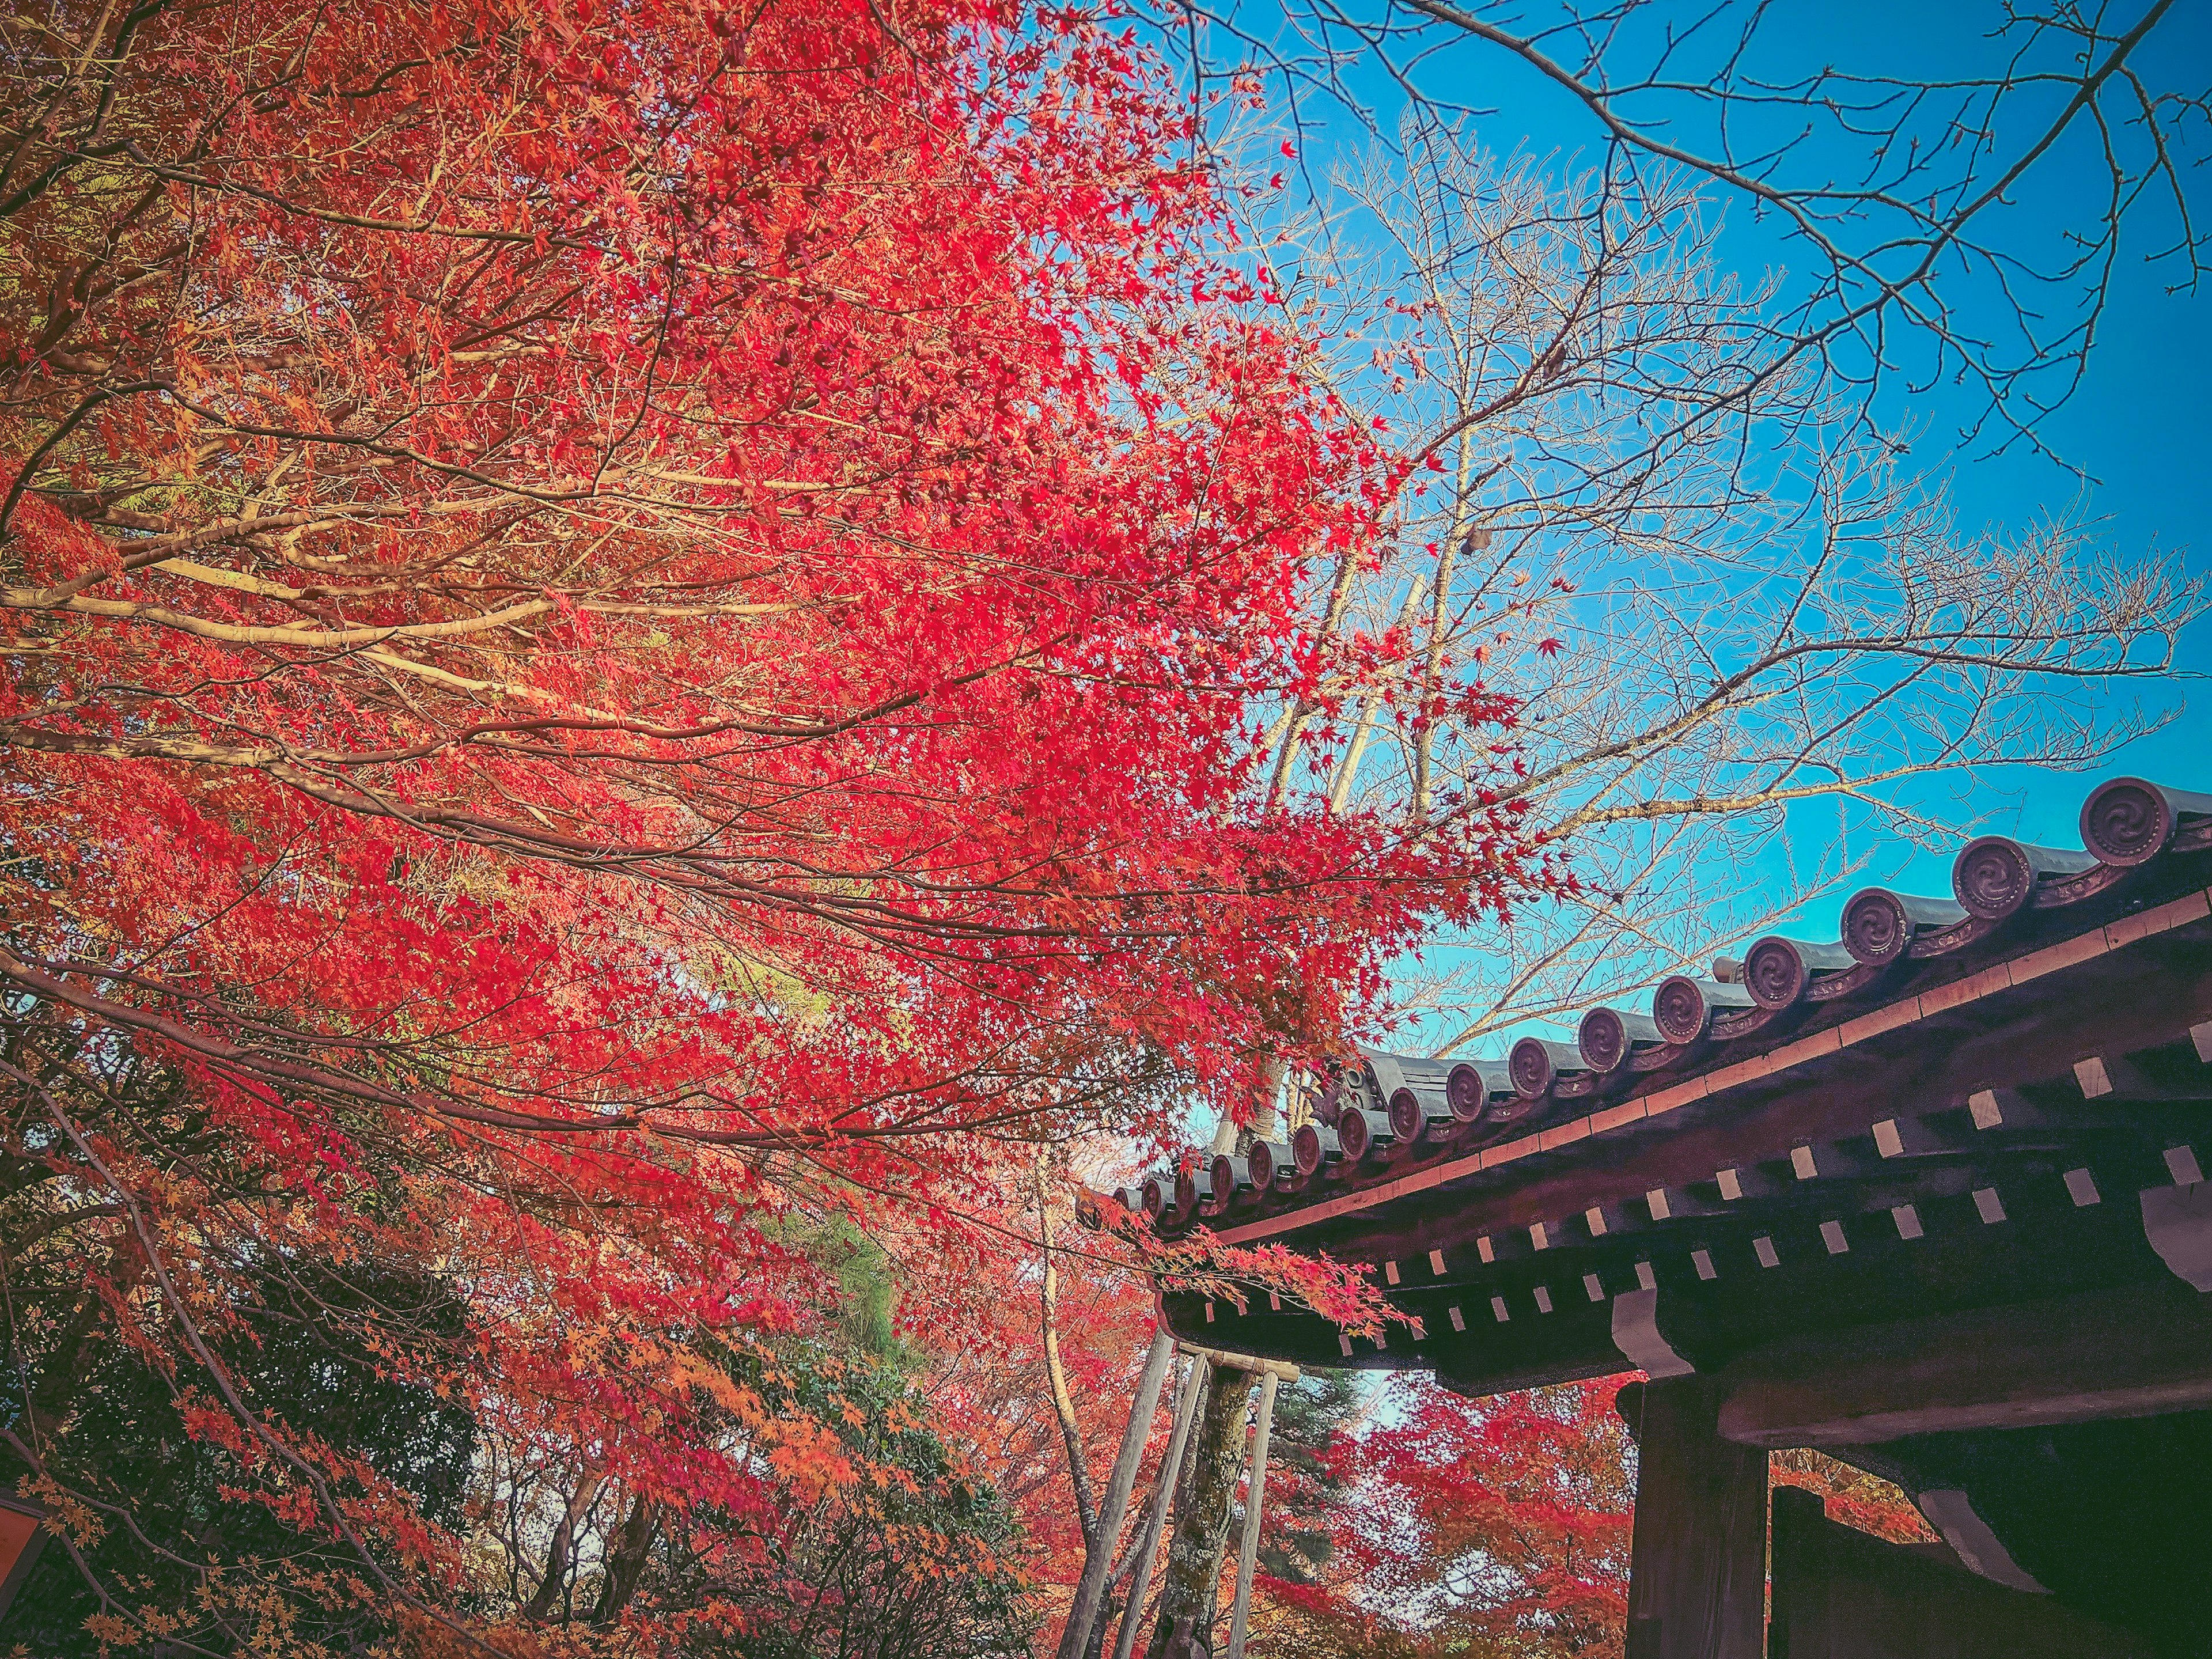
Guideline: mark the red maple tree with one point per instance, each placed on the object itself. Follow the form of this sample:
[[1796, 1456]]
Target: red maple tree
[[1430, 1523], [630, 627], [1471, 1526]]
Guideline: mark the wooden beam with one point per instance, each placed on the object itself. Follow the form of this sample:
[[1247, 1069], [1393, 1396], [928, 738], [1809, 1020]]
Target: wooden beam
[[2133, 1352], [1697, 1586], [1280, 1369]]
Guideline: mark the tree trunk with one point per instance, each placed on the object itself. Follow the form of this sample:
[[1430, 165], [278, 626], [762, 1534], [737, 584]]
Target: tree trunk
[[1063, 1403], [1191, 1584], [554, 1585], [1108, 1611], [626, 1560]]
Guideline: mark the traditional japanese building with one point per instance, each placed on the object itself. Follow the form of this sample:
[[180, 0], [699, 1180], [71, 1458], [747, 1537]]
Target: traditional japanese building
[[1929, 1197]]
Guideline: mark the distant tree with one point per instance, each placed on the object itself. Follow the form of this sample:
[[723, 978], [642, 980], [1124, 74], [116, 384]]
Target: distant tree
[[913, 1558], [1892, 170], [1498, 1528], [174, 1522], [156, 1507], [1487, 1527], [1308, 1483]]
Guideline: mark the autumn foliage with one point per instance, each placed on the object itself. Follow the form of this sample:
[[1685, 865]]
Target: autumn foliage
[[1407, 1522], [1443, 1525], [635, 635]]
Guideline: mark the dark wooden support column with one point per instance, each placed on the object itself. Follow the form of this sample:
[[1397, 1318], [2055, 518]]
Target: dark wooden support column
[[1698, 1564]]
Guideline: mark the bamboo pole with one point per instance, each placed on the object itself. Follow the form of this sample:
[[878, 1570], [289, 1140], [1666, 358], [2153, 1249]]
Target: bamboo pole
[[1148, 1543], [1114, 1505], [1248, 1554]]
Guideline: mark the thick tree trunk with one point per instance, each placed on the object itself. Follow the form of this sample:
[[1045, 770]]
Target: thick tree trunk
[[626, 1560], [1190, 1587], [554, 1585]]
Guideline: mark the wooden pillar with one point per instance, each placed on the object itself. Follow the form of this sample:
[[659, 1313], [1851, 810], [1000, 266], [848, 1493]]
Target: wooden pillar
[[1190, 1577], [1116, 1503], [1697, 1585], [1248, 1552], [1148, 1542]]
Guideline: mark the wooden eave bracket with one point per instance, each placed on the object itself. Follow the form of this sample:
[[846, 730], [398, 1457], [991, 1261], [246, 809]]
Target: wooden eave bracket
[[1952, 1514], [1635, 1332], [2177, 1221]]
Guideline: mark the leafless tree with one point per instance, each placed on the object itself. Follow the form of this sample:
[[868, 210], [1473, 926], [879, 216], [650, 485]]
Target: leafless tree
[[1896, 189], [1676, 515], [1730, 606]]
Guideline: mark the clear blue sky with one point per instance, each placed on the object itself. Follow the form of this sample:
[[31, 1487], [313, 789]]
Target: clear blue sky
[[2141, 426]]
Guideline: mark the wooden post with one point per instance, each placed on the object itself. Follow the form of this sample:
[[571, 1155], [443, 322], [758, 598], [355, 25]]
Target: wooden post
[[1156, 1516], [1249, 1553], [1697, 1583], [1116, 1503]]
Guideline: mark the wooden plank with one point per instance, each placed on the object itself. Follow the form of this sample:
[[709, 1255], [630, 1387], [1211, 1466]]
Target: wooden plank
[[1155, 1521], [1805, 1048], [1877, 1021], [1698, 1552], [2134, 1353], [1941, 999], [2067, 953], [1616, 1117], [2160, 919], [1255, 1498]]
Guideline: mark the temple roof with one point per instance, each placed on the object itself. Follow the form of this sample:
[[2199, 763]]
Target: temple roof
[[1929, 1197], [1946, 1052]]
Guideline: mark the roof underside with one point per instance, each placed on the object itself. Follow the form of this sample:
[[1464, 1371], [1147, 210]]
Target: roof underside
[[1853, 1187]]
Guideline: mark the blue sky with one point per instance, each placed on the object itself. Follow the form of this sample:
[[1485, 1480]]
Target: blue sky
[[2139, 427]]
